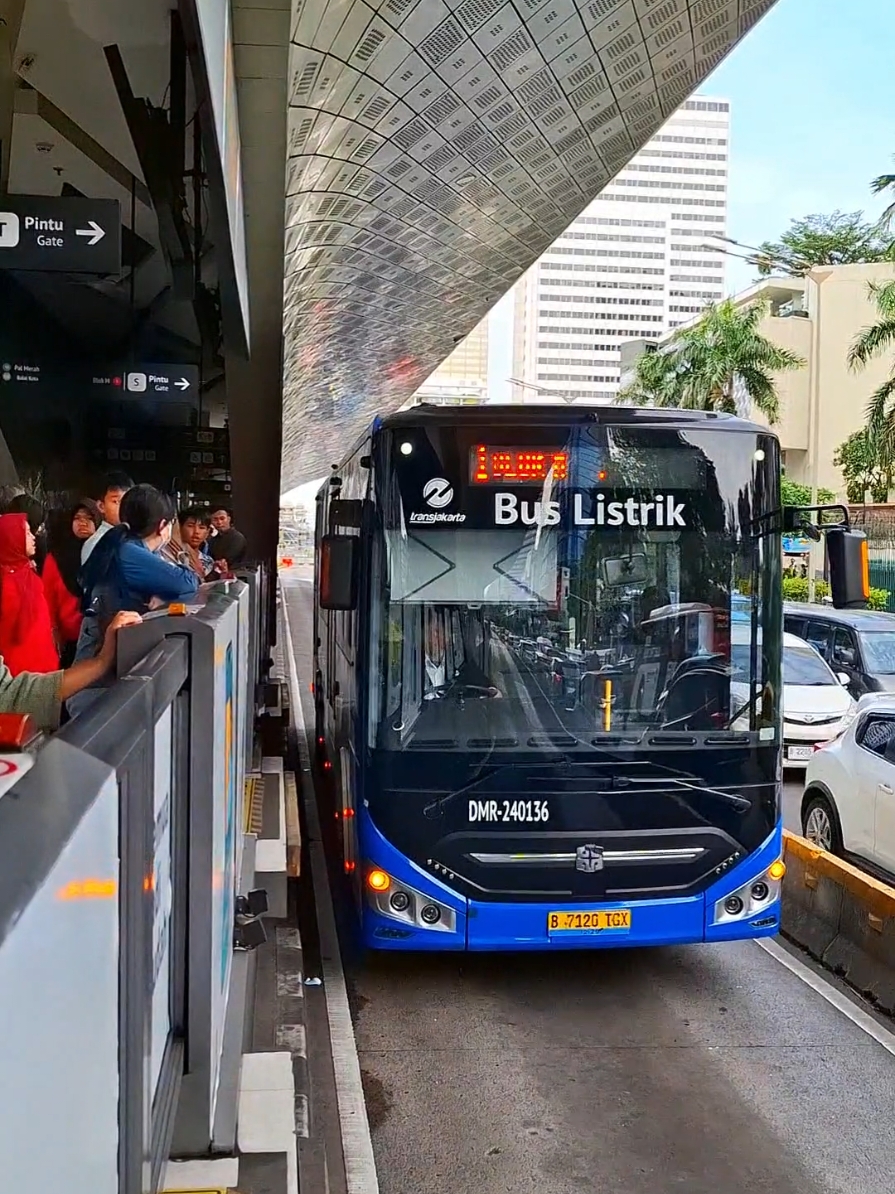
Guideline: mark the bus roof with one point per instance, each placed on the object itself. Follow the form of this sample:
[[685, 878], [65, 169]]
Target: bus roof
[[545, 413]]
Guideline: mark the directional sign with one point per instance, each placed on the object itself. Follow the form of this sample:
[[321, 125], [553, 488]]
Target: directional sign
[[175, 382], [69, 236]]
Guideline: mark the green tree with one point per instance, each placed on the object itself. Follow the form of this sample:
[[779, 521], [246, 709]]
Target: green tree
[[885, 182], [862, 468], [843, 238], [870, 343], [794, 493], [656, 381], [699, 366]]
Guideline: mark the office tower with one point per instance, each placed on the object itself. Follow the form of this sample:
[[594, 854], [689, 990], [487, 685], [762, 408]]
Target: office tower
[[632, 265], [463, 376]]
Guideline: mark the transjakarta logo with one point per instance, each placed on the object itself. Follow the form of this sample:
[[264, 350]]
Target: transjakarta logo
[[437, 493], [662, 511]]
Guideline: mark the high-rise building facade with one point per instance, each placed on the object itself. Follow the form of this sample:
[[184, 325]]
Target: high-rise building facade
[[632, 265], [463, 376]]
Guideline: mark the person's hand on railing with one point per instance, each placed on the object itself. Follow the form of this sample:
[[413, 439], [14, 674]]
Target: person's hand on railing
[[107, 651], [88, 671]]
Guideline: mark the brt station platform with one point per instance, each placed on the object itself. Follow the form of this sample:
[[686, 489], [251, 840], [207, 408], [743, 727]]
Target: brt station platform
[[143, 862]]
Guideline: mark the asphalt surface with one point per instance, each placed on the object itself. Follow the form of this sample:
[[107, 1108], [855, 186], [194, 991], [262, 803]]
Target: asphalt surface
[[709, 1070]]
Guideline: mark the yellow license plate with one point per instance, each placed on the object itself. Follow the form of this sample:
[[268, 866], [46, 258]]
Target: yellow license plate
[[591, 921]]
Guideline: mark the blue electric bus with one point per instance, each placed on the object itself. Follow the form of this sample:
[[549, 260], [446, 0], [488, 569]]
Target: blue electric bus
[[524, 687]]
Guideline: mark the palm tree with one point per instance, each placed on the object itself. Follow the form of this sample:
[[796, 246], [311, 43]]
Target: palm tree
[[885, 182], [870, 342], [700, 366], [656, 381]]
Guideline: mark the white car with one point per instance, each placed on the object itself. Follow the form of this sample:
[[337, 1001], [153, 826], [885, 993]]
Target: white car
[[849, 803], [816, 704]]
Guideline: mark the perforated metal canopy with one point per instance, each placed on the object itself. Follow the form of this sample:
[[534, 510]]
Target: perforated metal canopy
[[436, 149]]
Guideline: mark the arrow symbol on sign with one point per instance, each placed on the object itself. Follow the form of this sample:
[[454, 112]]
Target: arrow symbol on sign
[[95, 233], [183, 384]]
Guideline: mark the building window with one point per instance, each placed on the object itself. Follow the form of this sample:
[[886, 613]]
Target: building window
[[701, 170], [609, 223], [678, 140], [695, 278], [705, 106], [692, 264], [577, 377], [668, 186], [689, 154], [677, 201]]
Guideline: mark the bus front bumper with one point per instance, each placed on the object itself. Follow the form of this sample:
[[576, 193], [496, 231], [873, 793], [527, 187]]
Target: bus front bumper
[[478, 925]]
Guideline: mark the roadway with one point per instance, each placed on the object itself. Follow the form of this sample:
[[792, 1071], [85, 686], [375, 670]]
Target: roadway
[[638, 1072]]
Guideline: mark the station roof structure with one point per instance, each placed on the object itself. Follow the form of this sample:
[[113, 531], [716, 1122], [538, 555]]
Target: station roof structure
[[436, 148], [432, 151]]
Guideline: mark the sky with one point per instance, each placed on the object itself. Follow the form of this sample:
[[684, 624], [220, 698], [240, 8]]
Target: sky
[[812, 123]]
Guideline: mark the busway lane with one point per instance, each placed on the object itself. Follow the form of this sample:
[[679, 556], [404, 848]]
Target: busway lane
[[699, 1069]]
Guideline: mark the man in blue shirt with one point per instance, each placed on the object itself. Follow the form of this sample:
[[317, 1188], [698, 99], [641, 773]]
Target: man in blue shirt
[[124, 572]]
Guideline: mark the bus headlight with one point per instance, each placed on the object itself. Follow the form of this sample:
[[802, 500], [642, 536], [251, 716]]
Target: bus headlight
[[752, 898], [398, 901]]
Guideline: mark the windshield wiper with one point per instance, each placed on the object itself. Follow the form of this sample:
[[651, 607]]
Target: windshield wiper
[[740, 803]]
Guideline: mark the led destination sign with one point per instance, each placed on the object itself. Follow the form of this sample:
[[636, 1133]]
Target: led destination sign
[[516, 466]]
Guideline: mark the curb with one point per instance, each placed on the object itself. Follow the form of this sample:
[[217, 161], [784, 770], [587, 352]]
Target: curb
[[842, 917]]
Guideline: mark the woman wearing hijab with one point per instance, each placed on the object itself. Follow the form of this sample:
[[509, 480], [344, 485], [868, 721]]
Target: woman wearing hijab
[[67, 534], [26, 632], [24, 503]]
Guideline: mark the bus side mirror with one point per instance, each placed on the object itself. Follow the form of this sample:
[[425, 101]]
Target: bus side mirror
[[338, 572], [849, 568]]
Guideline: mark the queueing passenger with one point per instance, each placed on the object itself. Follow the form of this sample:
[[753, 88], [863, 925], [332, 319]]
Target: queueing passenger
[[41, 696], [227, 543], [109, 505], [67, 532], [35, 512], [194, 531], [189, 546], [26, 632], [125, 572]]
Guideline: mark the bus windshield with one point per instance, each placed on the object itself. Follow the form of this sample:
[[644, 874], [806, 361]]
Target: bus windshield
[[552, 613]]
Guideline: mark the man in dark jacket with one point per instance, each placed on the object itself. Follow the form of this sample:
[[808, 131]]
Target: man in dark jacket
[[226, 543]]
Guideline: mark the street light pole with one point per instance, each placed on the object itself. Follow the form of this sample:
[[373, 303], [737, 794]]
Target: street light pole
[[816, 278], [527, 385]]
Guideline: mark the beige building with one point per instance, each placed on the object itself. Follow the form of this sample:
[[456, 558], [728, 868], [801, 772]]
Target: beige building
[[463, 376], [818, 317]]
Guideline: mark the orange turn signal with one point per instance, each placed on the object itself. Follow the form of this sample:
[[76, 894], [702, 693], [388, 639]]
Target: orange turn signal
[[777, 869], [177, 609], [379, 880]]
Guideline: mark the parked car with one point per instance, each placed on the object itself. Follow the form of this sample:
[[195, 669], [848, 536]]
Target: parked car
[[858, 642], [816, 703], [848, 806]]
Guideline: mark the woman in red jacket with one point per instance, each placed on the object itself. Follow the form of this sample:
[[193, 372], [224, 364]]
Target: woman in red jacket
[[26, 632], [68, 531]]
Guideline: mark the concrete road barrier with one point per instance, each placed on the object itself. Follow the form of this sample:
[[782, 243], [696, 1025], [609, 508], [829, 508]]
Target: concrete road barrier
[[843, 917]]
